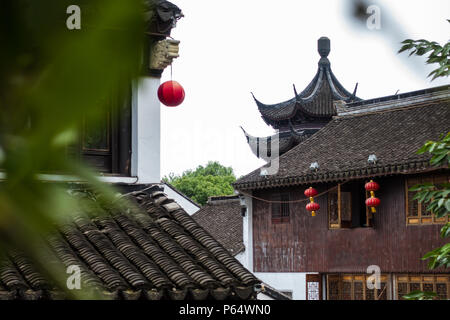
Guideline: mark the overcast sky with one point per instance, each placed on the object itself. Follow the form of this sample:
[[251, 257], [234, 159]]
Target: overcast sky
[[231, 48]]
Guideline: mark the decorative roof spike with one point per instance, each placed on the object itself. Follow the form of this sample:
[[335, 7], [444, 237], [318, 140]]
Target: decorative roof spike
[[323, 46], [354, 90], [295, 90]]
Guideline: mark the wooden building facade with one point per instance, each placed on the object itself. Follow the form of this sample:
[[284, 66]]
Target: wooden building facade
[[337, 248]]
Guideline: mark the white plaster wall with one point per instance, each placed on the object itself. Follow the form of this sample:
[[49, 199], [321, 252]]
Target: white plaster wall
[[241, 257], [146, 131], [188, 206], [262, 296], [247, 225], [286, 281]]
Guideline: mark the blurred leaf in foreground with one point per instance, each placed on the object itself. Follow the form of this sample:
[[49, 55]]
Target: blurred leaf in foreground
[[51, 78]]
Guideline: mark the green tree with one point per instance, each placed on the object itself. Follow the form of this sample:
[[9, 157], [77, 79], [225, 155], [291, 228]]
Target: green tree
[[203, 182], [438, 200], [436, 196], [437, 54]]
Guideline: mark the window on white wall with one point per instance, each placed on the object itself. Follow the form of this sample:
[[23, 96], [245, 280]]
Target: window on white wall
[[313, 287]]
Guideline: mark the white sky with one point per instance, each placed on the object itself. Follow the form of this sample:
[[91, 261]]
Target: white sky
[[231, 48]]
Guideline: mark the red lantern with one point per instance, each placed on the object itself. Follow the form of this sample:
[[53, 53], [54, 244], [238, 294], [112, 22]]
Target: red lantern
[[310, 192], [312, 206], [372, 202], [372, 186], [171, 93]]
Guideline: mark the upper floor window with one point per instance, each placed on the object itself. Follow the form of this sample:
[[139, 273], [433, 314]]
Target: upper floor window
[[105, 145], [416, 212], [280, 208], [347, 208]]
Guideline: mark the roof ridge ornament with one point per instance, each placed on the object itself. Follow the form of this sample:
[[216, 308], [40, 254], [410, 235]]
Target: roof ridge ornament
[[323, 47]]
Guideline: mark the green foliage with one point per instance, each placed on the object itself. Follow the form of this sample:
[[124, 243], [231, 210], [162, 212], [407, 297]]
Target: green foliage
[[50, 79], [436, 54], [203, 182], [438, 257], [420, 295], [440, 151], [437, 198]]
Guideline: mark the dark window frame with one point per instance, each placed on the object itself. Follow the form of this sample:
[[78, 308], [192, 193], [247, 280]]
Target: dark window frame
[[344, 205], [314, 278], [116, 159], [280, 212], [414, 210]]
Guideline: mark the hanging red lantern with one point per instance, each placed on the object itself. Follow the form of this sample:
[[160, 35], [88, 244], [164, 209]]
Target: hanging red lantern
[[310, 192], [372, 202], [312, 206], [171, 93], [371, 186]]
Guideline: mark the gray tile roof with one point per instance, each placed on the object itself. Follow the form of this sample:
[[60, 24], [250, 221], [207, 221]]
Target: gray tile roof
[[222, 218], [156, 251], [342, 147]]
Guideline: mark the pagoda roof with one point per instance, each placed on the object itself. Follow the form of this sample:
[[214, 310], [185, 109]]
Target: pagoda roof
[[316, 100], [286, 140]]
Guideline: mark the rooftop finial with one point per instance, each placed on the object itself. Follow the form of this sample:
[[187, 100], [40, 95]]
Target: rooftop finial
[[323, 46]]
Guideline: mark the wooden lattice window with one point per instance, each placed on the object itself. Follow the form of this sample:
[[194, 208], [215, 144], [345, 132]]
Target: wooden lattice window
[[428, 283], [339, 208], [354, 287], [313, 287], [280, 208], [416, 212], [346, 207]]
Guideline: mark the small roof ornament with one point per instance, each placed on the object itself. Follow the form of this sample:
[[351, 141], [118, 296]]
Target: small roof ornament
[[372, 159], [323, 46], [314, 166]]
